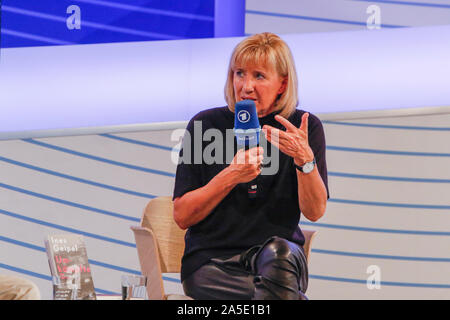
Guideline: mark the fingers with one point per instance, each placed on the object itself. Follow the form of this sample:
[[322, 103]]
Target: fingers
[[290, 143], [280, 139], [304, 123], [271, 133], [253, 156], [248, 163], [256, 151], [274, 135], [289, 126], [294, 141]]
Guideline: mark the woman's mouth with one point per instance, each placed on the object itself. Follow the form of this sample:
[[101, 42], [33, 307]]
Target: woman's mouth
[[248, 98]]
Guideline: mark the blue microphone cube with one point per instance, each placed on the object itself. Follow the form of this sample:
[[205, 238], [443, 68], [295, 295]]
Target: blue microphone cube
[[246, 124]]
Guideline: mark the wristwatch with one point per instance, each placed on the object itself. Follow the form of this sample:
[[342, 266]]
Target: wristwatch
[[307, 167]]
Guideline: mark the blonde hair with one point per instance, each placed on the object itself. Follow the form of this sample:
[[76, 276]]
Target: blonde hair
[[266, 49]]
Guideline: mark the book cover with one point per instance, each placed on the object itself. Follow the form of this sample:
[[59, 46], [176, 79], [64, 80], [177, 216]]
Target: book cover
[[69, 267]]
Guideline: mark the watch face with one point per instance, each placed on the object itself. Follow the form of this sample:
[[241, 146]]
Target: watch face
[[308, 167]]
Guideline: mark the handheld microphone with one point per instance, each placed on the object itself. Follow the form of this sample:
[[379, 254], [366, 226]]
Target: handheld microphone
[[247, 131]]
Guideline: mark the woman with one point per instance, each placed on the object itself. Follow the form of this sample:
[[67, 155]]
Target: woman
[[241, 248]]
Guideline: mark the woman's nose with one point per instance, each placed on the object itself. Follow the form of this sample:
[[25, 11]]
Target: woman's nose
[[248, 86]]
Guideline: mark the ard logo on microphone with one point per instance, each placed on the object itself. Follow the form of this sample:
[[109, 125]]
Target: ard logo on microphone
[[244, 116]]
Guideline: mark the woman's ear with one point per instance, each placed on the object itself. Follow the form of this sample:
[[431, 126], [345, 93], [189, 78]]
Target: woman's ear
[[283, 85]]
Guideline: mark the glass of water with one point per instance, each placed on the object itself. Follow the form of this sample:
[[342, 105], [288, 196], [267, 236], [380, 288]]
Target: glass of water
[[134, 287]]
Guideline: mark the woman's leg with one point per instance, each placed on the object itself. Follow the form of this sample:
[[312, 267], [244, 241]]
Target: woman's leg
[[280, 270], [275, 270], [221, 279]]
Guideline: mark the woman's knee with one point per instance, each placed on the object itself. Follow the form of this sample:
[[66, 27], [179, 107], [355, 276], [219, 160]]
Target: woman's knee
[[279, 271], [279, 248]]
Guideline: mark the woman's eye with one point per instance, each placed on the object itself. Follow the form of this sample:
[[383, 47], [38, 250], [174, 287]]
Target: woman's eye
[[239, 73], [259, 76]]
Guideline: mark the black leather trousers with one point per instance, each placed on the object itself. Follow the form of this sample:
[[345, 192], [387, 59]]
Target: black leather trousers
[[275, 270]]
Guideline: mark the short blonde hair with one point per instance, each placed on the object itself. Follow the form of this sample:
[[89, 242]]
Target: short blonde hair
[[265, 49]]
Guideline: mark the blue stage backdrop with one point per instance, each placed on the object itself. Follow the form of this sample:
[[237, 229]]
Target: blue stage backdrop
[[28, 23]]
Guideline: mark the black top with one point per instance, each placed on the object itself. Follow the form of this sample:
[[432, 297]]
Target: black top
[[238, 222]]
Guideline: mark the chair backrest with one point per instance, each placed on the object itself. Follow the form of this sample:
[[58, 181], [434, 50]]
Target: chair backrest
[[309, 237], [147, 248], [158, 217]]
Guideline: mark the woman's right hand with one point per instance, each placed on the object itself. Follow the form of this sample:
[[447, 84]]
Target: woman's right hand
[[246, 164]]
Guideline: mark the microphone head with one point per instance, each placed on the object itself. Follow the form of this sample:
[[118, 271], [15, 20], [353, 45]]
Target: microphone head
[[245, 115], [246, 123]]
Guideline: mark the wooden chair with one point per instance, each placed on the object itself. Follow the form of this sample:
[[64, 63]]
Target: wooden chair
[[160, 246], [309, 237]]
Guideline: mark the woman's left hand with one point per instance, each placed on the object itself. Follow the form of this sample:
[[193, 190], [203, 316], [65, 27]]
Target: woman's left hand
[[293, 141]]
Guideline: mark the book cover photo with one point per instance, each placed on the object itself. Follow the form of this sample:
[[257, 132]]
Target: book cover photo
[[69, 267]]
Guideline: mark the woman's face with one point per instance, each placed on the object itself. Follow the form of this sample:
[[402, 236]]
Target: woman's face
[[261, 84]]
